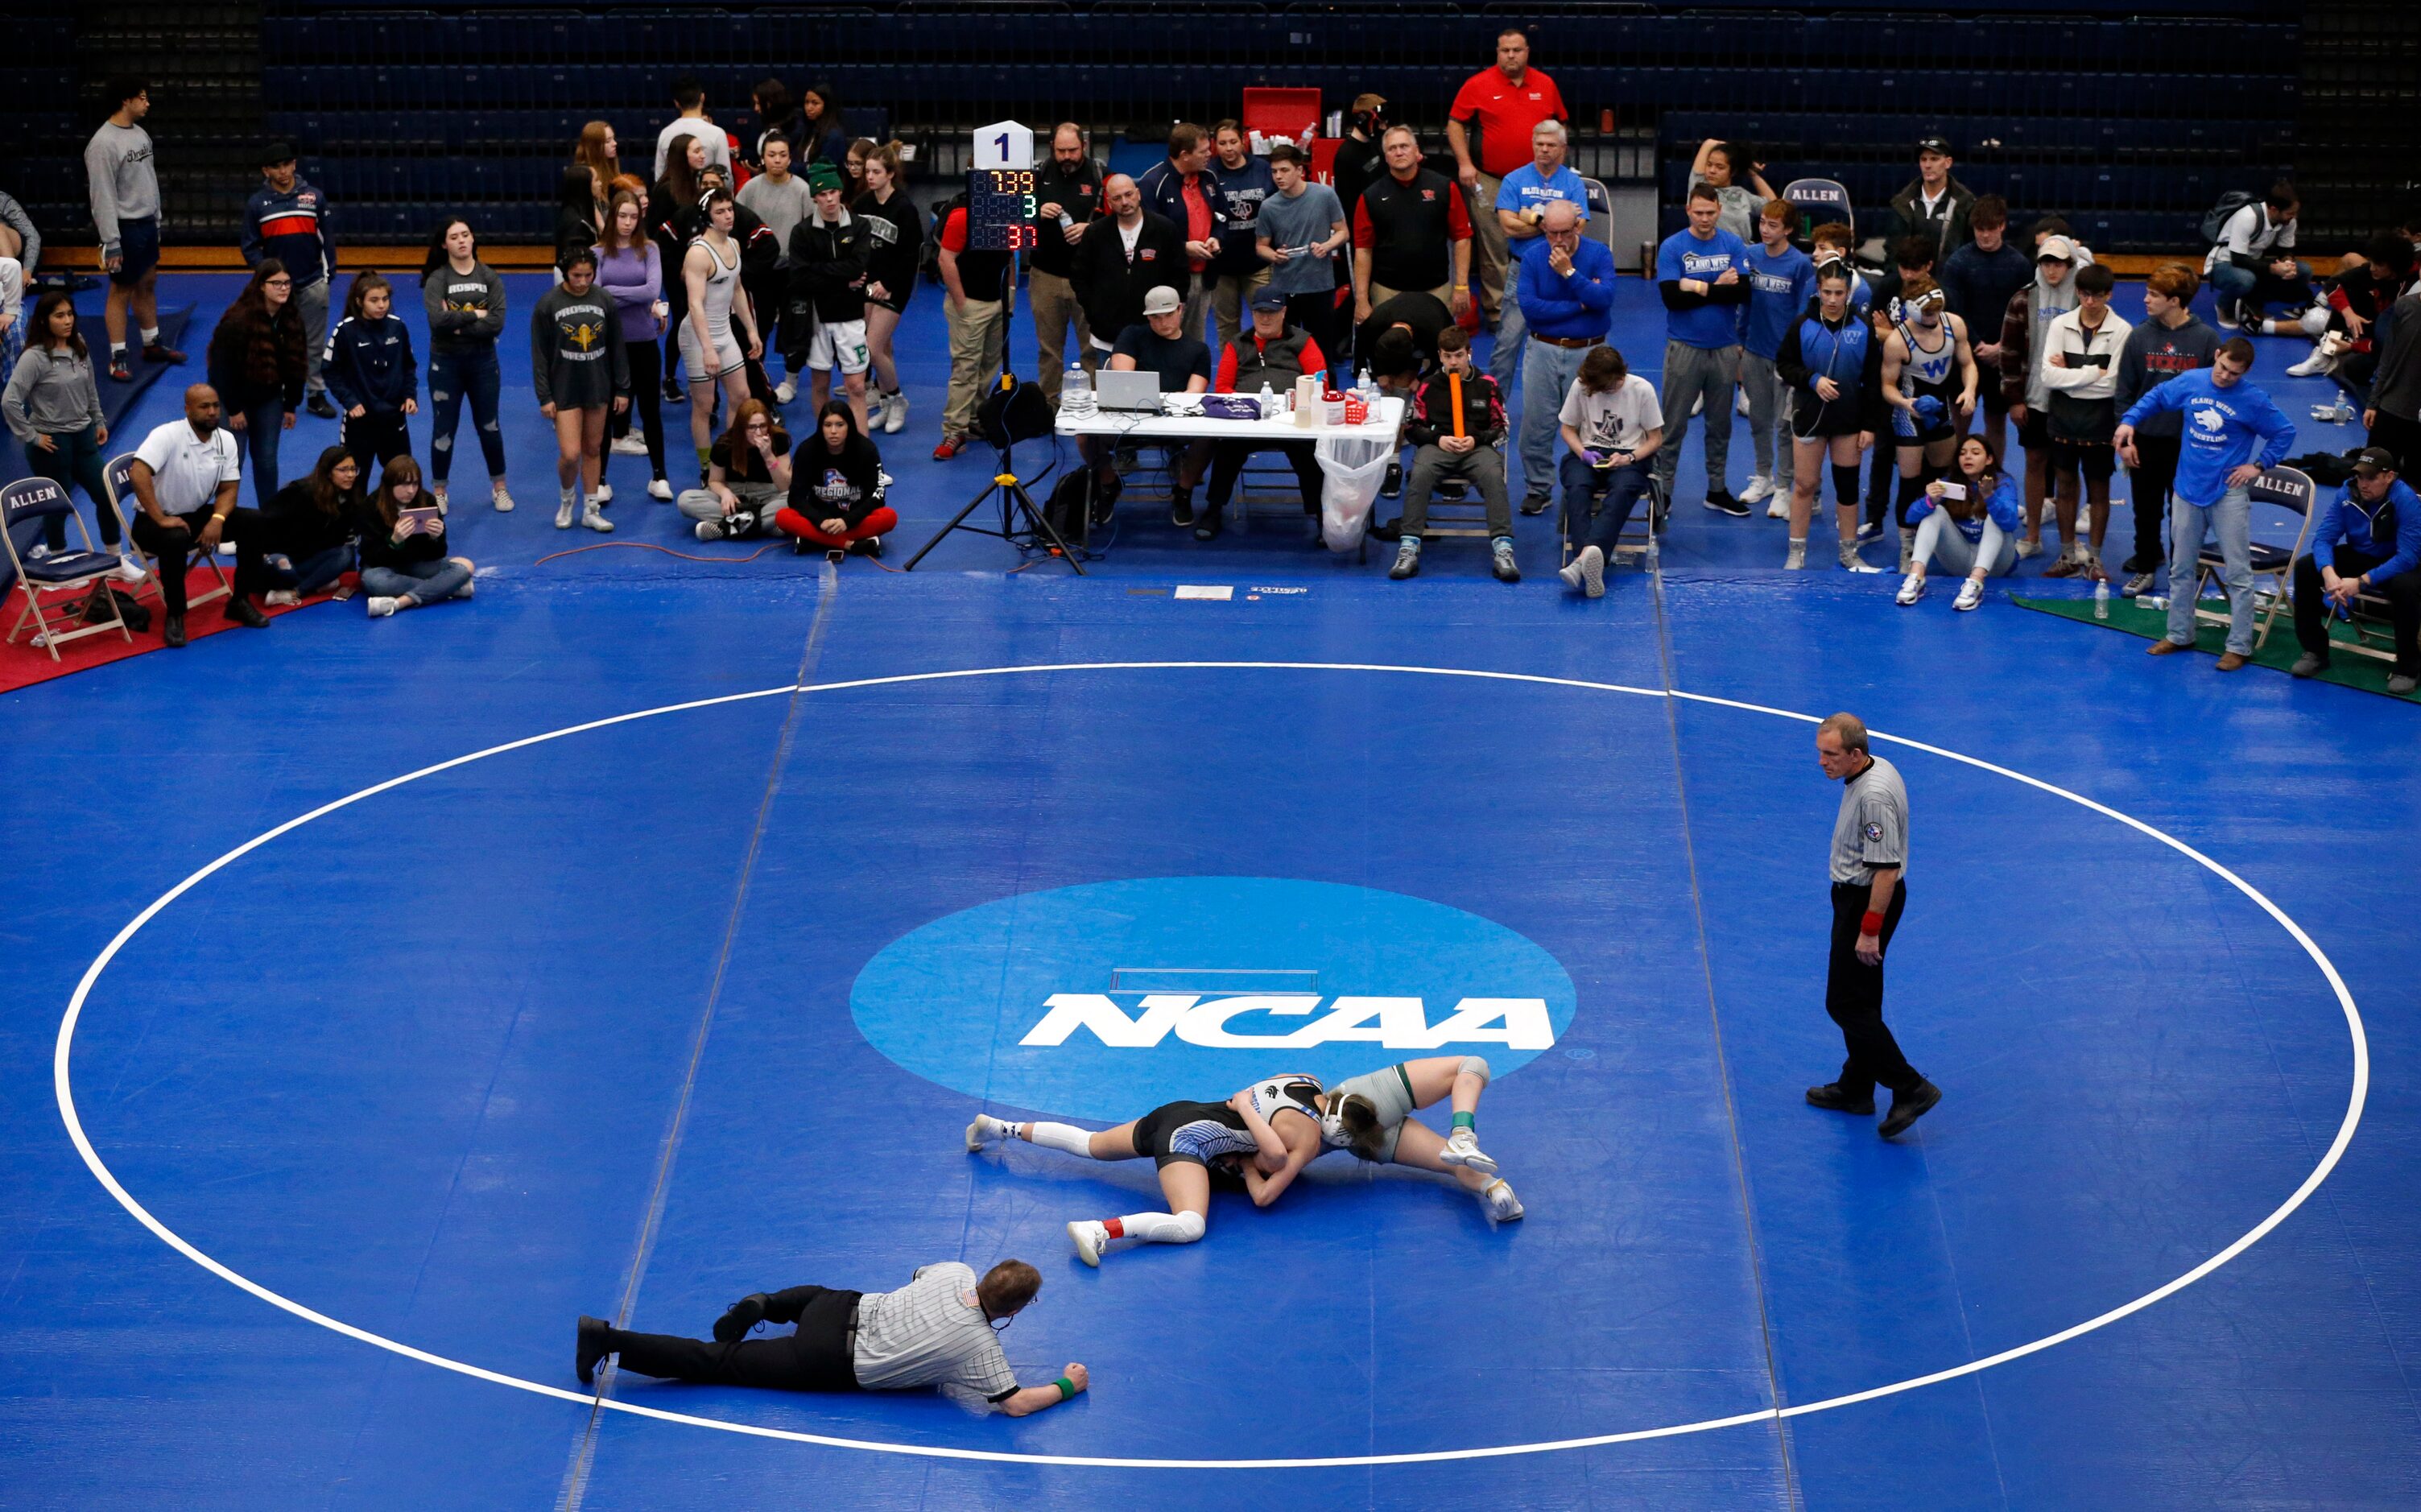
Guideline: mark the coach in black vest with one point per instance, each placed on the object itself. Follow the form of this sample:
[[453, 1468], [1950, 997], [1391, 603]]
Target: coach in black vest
[[1274, 354]]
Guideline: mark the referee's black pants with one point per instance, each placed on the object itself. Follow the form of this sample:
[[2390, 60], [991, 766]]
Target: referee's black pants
[[818, 1357], [1853, 995]]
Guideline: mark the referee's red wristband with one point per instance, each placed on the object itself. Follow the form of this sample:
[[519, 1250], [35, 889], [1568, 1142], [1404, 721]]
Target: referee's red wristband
[[1872, 924]]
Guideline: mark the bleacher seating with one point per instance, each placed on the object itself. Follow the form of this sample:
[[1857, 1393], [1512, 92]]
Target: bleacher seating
[[2132, 127]]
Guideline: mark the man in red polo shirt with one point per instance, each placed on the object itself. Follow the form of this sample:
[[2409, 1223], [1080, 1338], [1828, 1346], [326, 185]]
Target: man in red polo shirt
[[1506, 103]]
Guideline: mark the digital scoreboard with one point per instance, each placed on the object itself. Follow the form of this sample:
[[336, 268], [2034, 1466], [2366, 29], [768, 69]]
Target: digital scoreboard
[[1000, 210]]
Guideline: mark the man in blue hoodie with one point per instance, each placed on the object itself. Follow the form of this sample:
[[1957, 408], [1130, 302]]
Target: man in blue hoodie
[[2224, 417], [287, 219], [2368, 540]]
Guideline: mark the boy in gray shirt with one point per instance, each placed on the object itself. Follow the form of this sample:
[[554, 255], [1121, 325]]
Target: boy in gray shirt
[[1301, 227], [125, 194]]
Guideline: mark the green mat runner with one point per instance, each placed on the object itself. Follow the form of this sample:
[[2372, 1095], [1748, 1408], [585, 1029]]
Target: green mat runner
[[2346, 668]]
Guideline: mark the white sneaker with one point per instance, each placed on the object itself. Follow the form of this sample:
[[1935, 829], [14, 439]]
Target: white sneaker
[[1759, 488], [786, 392], [634, 444], [2084, 522], [984, 1130], [563, 512], [594, 520], [1592, 566], [710, 530], [279, 597], [1778, 507], [39, 552], [1462, 1148], [874, 407], [1971, 594], [2319, 364], [604, 494], [1795, 560], [380, 608], [1092, 1239], [661, 490], [1502, 1204], [502, 501], [1739, 400], [128, 568], [464, 591], [1571, 572], [895, 415], [1853, 562], [2029, 548], [1912, 588]]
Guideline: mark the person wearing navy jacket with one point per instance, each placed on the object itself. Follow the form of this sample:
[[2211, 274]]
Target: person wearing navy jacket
[[370, 370], [1183, 188], [1832, 365], [2225, 416], [287, 219], [2366, 541]]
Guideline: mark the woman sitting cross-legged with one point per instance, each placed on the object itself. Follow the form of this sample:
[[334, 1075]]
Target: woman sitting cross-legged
[[404, 563], [311, 522], [1972, 530], [747, 477], [837, 490]]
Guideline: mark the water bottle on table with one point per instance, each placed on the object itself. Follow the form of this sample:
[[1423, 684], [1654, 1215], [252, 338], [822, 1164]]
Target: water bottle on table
[[1076, 391]]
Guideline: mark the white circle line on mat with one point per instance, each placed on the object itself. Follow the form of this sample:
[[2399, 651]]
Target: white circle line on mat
[[2355, 1098]]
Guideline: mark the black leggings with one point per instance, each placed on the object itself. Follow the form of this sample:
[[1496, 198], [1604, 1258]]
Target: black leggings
[[647, 401]]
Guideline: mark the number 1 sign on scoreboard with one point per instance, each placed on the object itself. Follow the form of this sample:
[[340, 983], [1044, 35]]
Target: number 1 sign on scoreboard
[[1004, 144]]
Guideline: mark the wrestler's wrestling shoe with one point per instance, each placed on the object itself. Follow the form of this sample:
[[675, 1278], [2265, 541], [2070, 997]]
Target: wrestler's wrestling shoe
[[984, 1130], [1502, 1204], [1092, 1240], [1462, 1148]]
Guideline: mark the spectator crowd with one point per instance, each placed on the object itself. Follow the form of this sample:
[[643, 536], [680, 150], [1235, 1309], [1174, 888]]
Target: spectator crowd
[[1975, 382]]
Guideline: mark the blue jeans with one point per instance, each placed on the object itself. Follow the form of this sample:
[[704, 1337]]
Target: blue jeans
[[1547, 375], [2230, 283], [263, 430], [309, 575], [1584, 485], [453, 375], [74, 458], [422, 582], [1512, 335], [2231, 519]]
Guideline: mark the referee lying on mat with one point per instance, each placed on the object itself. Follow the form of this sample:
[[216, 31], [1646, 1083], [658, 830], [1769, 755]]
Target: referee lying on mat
[[936, 1331]]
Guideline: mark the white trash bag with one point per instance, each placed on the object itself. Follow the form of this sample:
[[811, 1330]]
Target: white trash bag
[[1353, 466]]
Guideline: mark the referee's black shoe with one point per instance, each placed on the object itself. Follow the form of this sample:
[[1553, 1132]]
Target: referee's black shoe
[[592, 1346], [1907, 1108], [740, 1318], [1831, 1095]]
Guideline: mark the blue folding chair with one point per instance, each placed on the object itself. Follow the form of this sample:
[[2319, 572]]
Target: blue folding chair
[[82, 574], [1821, 201], [2289, 489]]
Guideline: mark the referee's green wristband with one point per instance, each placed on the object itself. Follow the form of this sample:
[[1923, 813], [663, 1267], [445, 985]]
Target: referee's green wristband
[[1067, 1388]]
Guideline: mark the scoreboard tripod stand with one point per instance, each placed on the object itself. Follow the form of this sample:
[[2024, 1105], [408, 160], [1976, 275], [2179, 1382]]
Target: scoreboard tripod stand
[[1000, 218]]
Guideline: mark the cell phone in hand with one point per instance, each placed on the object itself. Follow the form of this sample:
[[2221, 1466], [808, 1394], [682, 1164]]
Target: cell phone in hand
[[1953, 490]]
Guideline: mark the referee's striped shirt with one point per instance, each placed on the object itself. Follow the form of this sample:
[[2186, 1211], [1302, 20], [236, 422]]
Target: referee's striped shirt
[[927, 1334]]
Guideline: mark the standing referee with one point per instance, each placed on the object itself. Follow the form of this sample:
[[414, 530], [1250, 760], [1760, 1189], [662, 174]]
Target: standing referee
[[1869, 889]]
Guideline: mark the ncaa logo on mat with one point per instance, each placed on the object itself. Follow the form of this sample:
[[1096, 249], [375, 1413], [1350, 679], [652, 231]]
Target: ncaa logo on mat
[[1104, 1000]]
